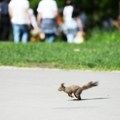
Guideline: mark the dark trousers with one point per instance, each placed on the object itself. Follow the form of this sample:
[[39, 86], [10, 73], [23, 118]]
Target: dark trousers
[[4, 27]]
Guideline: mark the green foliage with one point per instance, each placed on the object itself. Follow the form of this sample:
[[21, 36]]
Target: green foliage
[[34, 3], [90, 6], [60, 3]]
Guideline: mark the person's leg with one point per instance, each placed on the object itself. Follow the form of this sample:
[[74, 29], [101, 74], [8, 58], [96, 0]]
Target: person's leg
[[5, 24], [16, 33], [50, 38], [49, 27], [25, 33], [70, 38]]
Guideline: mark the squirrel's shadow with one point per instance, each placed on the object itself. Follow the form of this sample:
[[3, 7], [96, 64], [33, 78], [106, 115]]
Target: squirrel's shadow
[[90, 99]]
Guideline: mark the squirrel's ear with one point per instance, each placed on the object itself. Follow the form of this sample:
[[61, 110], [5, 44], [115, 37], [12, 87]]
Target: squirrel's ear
[[62, 84]]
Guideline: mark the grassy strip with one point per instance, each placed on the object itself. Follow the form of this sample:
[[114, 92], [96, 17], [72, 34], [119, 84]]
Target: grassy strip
[[100, 52]]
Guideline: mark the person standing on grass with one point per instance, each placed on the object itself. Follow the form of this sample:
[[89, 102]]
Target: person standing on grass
[[72, 23], [19, 14], [69, 23], [47, 13], [4, 20], [0, 21]]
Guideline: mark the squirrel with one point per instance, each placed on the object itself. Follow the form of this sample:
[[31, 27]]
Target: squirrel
[[76, 90]]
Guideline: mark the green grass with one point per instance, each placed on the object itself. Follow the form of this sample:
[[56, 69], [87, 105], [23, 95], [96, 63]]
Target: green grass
[[101, 51]]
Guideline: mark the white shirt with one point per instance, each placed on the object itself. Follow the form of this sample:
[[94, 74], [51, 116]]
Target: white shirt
[[67, 12], [47, 8], [19, 11]]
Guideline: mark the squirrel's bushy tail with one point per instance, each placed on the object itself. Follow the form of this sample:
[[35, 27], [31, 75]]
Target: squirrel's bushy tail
[[89, 85]]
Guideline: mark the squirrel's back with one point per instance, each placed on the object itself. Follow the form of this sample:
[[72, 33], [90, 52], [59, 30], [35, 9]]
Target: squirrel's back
[[72, 88]]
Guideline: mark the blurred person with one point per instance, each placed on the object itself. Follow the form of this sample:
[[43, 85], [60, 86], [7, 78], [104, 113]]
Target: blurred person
[[116, 23], [59, 17], [4, 20], [83, 18], [59, 24], [46, 17], [32, 20], [68, 22], [107, 21], [0, 22], [19, 14], [68, 10], [72, 23], [59, 20], [34, 29]]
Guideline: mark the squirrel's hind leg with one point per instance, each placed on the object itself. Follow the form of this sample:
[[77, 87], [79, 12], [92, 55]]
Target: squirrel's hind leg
[[78, 94]]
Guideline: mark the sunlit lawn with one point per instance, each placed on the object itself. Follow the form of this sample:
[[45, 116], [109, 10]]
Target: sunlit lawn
[[101, 51]]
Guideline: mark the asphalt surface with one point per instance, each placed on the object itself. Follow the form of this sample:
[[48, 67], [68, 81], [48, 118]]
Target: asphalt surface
[[32, 94]]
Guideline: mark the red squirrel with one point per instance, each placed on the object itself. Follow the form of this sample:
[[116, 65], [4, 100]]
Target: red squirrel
[[76, 90]]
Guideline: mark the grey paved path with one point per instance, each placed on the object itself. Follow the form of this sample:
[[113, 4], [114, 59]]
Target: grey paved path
[[31, 94]]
